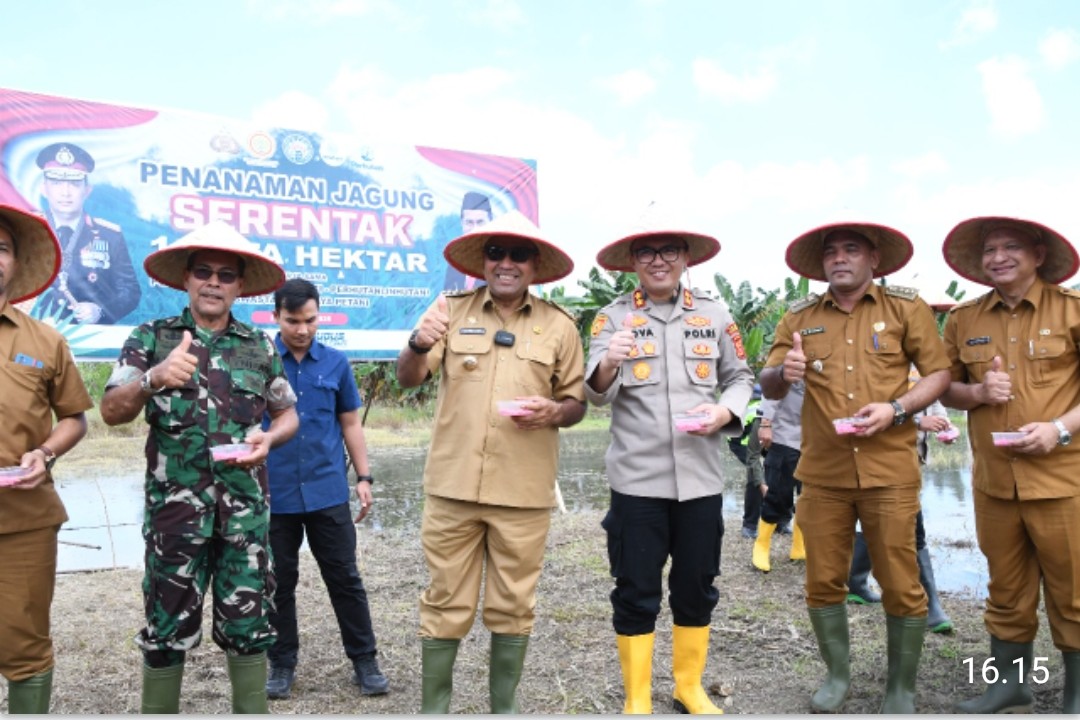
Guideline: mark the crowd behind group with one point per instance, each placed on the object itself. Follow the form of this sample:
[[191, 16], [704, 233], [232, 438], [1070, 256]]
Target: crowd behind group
[[247, 440]]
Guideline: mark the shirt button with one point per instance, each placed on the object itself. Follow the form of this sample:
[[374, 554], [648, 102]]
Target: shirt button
[[849, 341], [850, 368], [851, 396], [1012, 340], [1012, 367], [855, 449]]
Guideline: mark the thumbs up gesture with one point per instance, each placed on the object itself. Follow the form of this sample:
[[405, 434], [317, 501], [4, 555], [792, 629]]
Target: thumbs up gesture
[[996, 384], [177, 367], [434, 323], [794, 368], [622, 341]]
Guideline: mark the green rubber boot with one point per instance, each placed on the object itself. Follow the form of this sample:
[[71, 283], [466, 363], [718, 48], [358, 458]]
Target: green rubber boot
[[161, 689], [507, 662], [834, 643], [905, 636], [30, 696], [437, 683], [247, 675], [1010, 694]]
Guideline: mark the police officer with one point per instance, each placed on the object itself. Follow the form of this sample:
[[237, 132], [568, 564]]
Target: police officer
[[97, 282], [661, 349], [852, 347], [1015, 367], [205, 379]]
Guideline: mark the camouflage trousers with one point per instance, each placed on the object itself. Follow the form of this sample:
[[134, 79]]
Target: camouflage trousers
[[195, 538]]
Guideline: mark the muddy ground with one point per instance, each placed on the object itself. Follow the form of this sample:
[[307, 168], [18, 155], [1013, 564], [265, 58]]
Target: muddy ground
[[763, 657]]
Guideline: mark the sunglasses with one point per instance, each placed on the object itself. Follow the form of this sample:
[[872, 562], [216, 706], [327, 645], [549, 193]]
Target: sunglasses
[[668, 253], [518, 254], [225, 276]]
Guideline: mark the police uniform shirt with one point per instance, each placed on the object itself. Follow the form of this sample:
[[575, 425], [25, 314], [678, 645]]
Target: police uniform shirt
[[96, 267], [1037, 343], [853, 359], [39, 378], [477, 455], [786, 417], [685, 353]]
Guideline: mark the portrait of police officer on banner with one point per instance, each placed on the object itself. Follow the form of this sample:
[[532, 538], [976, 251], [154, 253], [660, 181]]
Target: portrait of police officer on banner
[[96, 283]]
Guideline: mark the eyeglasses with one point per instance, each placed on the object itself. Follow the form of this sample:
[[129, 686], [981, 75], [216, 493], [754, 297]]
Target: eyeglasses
[[518, 254], [668, 253], [225, 276]]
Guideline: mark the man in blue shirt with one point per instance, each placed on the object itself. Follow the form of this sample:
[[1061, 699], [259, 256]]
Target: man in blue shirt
[[309, 492]]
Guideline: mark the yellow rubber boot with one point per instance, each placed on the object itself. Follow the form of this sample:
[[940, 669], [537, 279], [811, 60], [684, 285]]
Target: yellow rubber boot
[[798, 550], [762, 545], [635, 656], [689, 649]]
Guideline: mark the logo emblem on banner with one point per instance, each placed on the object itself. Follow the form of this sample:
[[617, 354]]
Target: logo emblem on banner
[[297, 149]]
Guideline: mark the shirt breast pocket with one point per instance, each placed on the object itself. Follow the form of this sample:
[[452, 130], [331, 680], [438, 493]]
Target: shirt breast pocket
[[1054, 358], [324, 393], [700, 360], [468, 357], [536, 367], [885, 352], [976, 358], [819, 362], [246, 399]]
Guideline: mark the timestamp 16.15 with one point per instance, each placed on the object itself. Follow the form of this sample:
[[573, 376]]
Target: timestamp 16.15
[[989, 671]]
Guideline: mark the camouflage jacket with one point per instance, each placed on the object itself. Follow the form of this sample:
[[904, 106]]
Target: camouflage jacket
[[239, 376]]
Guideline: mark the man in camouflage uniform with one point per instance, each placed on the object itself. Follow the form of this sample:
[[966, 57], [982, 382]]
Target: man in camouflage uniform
[[205, 379]]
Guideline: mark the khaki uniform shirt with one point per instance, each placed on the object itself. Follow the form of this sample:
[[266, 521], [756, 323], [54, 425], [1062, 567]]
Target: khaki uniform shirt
[[853, 359], [31, 395], [687, 353], [1037, 342], [477, 455]]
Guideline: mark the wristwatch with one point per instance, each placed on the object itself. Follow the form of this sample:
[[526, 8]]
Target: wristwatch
[[147, 384], [1064, 436], [50, 456], [416, 348], [901, 415], [365, 478]]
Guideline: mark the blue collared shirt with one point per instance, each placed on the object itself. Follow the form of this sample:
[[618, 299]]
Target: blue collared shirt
[[307, 473]]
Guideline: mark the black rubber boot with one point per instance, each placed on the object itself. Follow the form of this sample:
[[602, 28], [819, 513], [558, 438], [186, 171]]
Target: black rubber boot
[[859, 591], [905, 636], [1011, 693], [834, 643], [937, 620]]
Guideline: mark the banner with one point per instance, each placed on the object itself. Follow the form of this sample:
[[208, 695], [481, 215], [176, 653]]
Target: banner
[[365, 223]]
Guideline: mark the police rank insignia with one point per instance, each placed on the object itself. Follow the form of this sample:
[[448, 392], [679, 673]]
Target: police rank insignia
[[701, 349], [634, 352], [637, 320], [703, 370], [687, 298], [649, 348], [598, 324], [639, 298], [698, 321], [642, 370], [736, 338]]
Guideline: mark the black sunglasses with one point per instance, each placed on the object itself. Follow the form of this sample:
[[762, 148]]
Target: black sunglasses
[[668, 253], [225, 276], [518, 254]]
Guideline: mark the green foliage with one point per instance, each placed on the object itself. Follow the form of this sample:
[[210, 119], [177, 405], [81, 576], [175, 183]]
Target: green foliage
[[94, 376], [378, 384], [757, 312], [601, 289]]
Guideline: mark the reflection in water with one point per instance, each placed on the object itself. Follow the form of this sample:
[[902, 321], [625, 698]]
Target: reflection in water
[[108, 511]]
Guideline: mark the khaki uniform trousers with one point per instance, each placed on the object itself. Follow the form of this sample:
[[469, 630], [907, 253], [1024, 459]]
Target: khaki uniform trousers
[[27, 580], [827, 517], [1023, 541], [458, 539]]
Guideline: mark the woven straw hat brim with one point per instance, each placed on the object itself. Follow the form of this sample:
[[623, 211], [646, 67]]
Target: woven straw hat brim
[[37, 253], [261, 274], [963, 249], [616, 256], [466, 252], [806, 253]]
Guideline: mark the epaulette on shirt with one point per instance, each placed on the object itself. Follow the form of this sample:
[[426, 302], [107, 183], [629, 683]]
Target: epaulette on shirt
[[460, 293], [1069, 292], [560, 308], [106, 224], [908, 293], [804, 302], [968, 303]]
